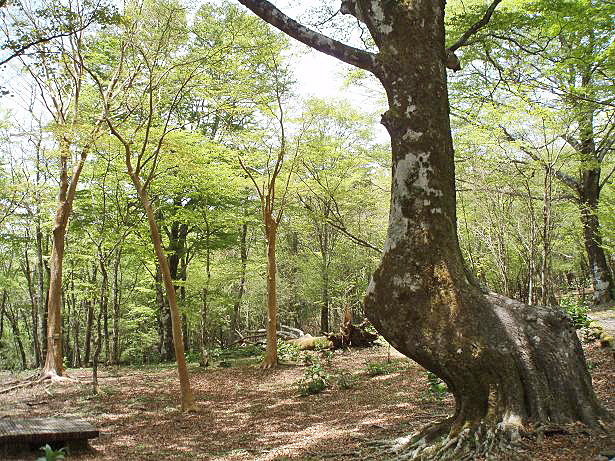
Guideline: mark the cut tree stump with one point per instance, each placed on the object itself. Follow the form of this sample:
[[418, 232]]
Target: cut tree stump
[[23, 434]]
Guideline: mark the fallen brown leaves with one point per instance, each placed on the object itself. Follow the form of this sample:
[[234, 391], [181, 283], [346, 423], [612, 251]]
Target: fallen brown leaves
[[245, 413]]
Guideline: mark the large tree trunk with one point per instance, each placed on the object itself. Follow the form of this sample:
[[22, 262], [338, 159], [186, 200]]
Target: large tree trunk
[[527, 361], [271, 352], [421, 297]]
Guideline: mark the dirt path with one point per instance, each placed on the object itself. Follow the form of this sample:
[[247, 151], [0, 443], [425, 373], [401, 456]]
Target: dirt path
[[606, 318], [245, 413]]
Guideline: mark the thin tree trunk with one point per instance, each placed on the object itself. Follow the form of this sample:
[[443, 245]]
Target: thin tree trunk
[[15, 327], [40, 267], [89, 305], [116, 307], [546, 238], [271, 352], [76, 348], [243, 250], [162, 310], [104, 303], [36, 345], [205, 300], [324, 273], [96, 354], [187, 400]]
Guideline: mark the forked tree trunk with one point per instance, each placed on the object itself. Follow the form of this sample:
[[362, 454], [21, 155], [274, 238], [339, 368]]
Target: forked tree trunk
[[187, 400], [528, 361], [53, 360], [271, 352]]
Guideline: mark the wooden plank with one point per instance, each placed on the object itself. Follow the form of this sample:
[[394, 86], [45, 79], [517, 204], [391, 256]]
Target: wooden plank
[[40, 430]]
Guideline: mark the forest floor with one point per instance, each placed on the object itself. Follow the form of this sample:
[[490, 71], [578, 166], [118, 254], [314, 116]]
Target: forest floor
[[245, 413]]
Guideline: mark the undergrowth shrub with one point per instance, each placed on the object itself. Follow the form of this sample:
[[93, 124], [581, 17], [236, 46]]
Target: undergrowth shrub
[[315, 379], [345, 380], [383, 368], [288, 351], [576, 311], [51, 454], [436, 388], [224, 355]]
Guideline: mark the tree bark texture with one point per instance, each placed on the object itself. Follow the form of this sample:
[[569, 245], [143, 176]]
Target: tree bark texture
[[421, 298]]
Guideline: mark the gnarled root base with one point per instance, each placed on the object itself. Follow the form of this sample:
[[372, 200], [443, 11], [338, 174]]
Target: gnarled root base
[[435, 443]]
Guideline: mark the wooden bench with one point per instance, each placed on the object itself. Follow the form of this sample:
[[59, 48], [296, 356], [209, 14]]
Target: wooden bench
[[23, 434]]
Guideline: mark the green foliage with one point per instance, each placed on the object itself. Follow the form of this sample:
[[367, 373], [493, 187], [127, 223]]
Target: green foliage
[[51, 454], [315, 379], [345, 380], [576, 312], [225, 355], [288, 351], [436, 388], [382, 368]]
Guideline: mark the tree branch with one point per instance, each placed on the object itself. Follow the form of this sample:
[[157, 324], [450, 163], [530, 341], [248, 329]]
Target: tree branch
[[350, 55], [563, 177], [475, 27]]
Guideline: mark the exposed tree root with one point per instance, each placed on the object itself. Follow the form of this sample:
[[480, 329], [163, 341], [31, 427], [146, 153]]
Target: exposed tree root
[[266, 365], [31, 382], [433, 443], [502, 442]]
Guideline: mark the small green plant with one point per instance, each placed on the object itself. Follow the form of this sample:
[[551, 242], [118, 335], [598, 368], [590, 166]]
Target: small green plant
[[345, 380], [327, 356], [51, 454], [231, 353], [436, 388], [576, 312], [288, 351], [315, 379], [382, 368]]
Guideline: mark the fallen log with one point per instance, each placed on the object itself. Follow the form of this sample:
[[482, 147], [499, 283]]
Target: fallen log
[[309, 342]]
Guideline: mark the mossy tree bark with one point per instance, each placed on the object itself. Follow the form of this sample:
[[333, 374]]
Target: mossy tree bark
[[421, 298]]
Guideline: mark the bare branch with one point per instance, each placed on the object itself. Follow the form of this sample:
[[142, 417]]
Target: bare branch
[[563, 177], [475, 27], [350, 55]]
